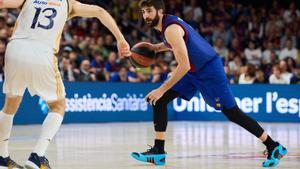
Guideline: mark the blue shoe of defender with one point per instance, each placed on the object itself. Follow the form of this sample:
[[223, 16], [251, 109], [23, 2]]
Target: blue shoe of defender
[[151, 156], [274, 156]]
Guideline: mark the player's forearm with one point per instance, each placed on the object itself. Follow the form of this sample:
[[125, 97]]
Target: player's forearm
[[160, 47], [11, 3], [177, 74], [107, 20]]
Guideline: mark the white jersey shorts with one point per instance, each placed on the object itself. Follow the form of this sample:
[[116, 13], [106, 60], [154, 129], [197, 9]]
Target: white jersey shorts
[[32, 65]]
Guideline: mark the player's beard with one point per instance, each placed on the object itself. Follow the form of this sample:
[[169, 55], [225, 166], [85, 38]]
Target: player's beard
[[152, 22]]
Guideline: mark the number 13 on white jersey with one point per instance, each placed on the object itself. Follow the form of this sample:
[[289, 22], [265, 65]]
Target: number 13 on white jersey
[[42, 20]]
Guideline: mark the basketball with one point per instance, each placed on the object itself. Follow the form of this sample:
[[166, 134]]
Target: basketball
[[142, 55]]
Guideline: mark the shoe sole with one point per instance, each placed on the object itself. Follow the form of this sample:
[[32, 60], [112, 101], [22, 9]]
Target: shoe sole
[[157, 160], [31, 165]]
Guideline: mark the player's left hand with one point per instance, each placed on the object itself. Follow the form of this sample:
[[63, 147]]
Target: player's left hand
[[123, 48], [154, 95]]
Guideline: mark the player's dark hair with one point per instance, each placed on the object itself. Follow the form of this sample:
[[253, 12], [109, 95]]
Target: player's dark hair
[[157, 4]]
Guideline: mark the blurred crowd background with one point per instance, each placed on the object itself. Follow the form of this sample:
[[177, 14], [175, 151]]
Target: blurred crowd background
[[259, 41]]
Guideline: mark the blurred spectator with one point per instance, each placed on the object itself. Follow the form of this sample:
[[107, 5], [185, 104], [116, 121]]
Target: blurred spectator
[[99, 47], [221, 32], [288, 35], [111, 64], [1, 68], [291, 64], [197, 12], [156, 75], [66, 70], [253, 54], [298, 40], [235, 65], [287, 15], [66, 35], [229, 75], [249, 76], [188, 17], [97, 66], [274, 57], [133, 76], [260, 77], [289, 51], [172, 67], [2, 53], [221, 48], [97, 63], [277, 77], [120, 76], [236, 46], [164, 70], [207, 26], [266, 55], [284, 71], [253, 37], [109, 43], [297, 75], [133, 38], [2, 47], [84, 74], [174, 6]]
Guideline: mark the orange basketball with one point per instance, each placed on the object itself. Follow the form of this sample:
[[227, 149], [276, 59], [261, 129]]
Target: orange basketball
[[142, 55]]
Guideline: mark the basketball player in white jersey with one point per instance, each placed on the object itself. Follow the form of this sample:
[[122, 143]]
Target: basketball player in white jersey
[[30, 63]]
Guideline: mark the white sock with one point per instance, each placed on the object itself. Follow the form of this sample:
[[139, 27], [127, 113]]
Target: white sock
[[6, 122], [49, 128]]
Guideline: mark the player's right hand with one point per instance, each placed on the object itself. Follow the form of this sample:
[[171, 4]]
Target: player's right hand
[[123, 48]]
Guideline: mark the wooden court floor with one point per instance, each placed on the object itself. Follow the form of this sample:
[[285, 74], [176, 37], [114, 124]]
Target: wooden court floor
[[190, 145]]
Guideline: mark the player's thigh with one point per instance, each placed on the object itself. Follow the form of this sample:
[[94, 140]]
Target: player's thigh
[[11, 104], [185, 87], [45, 80], [217, 95], [14, 70], [214, 86]]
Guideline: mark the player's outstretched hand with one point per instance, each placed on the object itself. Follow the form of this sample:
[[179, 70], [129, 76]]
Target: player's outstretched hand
[[123, 48]]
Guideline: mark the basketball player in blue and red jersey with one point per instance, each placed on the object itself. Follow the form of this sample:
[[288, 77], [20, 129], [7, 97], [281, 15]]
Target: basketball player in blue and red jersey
[[31, 63], [199, 68]]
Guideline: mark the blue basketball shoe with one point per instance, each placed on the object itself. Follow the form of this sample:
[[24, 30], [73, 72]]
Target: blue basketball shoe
[[7, 163], [37, 162], [274, 156], [152, 155]]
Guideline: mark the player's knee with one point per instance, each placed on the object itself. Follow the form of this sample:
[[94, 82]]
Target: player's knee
[[232, 114], [58, 106], [160, 126], [12, 104], [161, 103]]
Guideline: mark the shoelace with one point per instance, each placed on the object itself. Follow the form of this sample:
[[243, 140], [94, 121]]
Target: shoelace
[[267, 153], [11, 163], [151, 150], [45, 161]]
